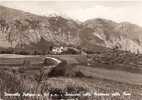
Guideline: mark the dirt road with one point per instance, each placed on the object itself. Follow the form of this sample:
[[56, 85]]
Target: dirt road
[[115, 75]]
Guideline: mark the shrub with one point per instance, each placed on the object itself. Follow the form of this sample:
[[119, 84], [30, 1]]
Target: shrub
[[59, 70], [79, 74], [6, 51], [23, 53]]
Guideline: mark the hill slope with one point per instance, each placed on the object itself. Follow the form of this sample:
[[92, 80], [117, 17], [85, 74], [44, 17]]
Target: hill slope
[[19, 28], [123, 36]]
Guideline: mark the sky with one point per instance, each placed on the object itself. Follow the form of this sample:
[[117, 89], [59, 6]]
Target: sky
[[119, 11]]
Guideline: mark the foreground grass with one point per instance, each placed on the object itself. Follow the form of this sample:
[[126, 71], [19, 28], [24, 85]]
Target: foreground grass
[[31, 82], [71, 77]]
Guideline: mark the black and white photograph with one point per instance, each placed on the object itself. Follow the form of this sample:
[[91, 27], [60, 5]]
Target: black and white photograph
[[70, 50]]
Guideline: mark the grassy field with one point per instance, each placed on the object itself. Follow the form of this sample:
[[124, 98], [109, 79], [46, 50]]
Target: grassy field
[[116, 60], [75, 76]]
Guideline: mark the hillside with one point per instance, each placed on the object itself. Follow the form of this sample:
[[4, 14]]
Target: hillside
[[19, 29], [123, 36]]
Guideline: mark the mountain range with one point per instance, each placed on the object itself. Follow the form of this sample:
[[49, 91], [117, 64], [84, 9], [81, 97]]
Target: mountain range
[[20, 29]]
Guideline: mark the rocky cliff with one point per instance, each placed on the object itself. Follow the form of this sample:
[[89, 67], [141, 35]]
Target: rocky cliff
[[19, 28]]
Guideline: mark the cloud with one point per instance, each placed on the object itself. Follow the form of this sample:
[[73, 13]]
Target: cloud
[[83, 11], [119, 14]]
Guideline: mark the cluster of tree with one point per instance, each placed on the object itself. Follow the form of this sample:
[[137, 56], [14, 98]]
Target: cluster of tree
[[23, 52], [37, 51]]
